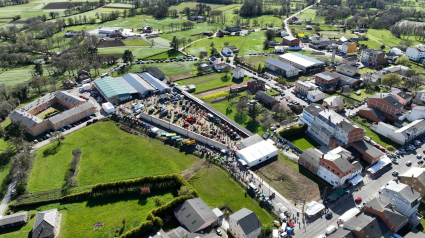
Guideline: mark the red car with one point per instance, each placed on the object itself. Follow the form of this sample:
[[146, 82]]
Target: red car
[[377, 146], [81, 96], [358, 199], [382, 149]]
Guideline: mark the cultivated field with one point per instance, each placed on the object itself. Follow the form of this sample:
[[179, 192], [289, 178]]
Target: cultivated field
[[60, 5], [217, 189], [109, 154]]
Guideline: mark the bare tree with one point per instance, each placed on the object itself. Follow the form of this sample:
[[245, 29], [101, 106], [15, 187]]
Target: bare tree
[[57, 136]]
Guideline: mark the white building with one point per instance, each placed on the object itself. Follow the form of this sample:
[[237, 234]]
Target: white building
[[220, 66], [283, 34], [301, 62], [244, 224], [256, 153], [315, 95], [404, 199], [334, 168], [310, 113], [281, 67], [416, 53], [416, 113], [346, 46], [238, 73], [303, 87], [279, 49], [420, 96], [396, 51], [404, 134], [109, 30], [108, 107], [227, 52]]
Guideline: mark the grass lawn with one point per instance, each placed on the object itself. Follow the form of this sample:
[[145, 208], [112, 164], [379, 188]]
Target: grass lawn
[[13, 76], [53, 109], [220, 81], [370, 43], [138, 52], [303, 141], [378, 138], [79, 217], [166, 55], [137, 42], [169, 69], [249, 44], [200, 79], [363, 94], [217, 189], [182, 5], [109, 154], [229, 110], [387, 38], [421, 226], [255, 60]]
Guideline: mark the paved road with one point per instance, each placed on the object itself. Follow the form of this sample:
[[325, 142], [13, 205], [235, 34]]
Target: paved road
[[288, 31], [368, 191], [7, 197]]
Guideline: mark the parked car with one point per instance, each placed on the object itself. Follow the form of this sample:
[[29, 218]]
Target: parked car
[[408, 163], [395, 173]]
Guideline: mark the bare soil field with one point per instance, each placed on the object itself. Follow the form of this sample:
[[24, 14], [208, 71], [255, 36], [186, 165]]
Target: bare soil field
[[287, 181], [110, 43], [117, 7], [220, 89], [60, 5], [179, 77]]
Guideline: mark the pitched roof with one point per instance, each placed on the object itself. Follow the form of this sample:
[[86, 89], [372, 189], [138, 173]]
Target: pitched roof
[[327, 75], [314, 109], [369, 149], [312, 156], [373, 51], [280, 64], [394, 216], [341, 163], [418, 173], [335, 101], [404, 190], [342, 233], [73, 111], [415, 233], [155, 71], [27, 119], [390, 100], [257, 82], [374, 112], [14, 218], [289, 38], [348, 126], [247, 142], [194, 213], [237, 69], [315, 92], [349, 67], [48, 216], [403, 95], [155, 82], [368, 226], [247, 220], [265, 97]]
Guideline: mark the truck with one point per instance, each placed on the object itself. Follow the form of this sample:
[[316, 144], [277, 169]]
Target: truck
[[189, 142], [275, 233], [170, 135], [348, 215]]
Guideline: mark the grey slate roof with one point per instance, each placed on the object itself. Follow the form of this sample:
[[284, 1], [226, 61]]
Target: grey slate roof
[[45, 223], [312, 156], [347, 126], [394, 216], [342, 233], [343, 164], [280, 64], [247, 220], [369, 149], [63, 95], [265, 97], [27, 119], [368, 226], [348, 66], [415, 233], [390, 100], [356, 165], [314, 109], [335, 101], [249, 141], [194, 213], [49, 216], [155, 71], [73, 111], [157, 234], [375, 112], [14, 218]]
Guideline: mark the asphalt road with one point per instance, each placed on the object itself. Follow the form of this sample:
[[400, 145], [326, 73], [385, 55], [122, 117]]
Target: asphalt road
[[368, 190]]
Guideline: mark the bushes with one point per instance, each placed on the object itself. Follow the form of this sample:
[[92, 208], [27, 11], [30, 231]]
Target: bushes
[[293, 131], [71, 174]]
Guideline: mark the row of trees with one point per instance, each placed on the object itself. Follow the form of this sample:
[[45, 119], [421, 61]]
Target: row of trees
[[406, 29], [5, 3]]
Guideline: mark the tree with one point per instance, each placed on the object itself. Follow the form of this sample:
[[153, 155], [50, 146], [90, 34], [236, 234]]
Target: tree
[[226, 43], [38, 69], [414, 82], [127, 56], [185, 190], [367, 81], [53, 15], [259, 68], [226, 69], [186, 11], [270, 34], [409, 73], [175, 43], [200, 70], [403, 60], [241, 105], [212, 44], [279, 110], [390, 148], [382, 47], [159, 201], [266, 44], [58, 137], [253, 111], [391, 80], [267, 120], [37, 83], [17, 129]]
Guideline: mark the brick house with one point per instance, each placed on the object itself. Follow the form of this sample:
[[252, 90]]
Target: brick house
[[290, 41], [347, 133], [310, 159], [335, 169], [373, 57], [256, 85], [369, 153], [387, 105], [372, 114], [415, 178], [328, 80], [384, 210]]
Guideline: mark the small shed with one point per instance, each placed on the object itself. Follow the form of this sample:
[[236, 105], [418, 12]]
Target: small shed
[[108, 107], [14, 220]]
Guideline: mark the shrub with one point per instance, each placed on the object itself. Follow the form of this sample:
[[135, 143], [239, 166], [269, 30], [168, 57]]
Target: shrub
[[159, 201], [185, 190], [293, 131]]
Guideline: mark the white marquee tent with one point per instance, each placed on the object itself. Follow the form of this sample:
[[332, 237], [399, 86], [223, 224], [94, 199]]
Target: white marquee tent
[[313, 208], [108, 107], [256, 153]]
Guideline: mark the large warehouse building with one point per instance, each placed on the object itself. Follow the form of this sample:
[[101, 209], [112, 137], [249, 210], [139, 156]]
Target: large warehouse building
[[300, 61], [143, 87], [158, 84], [255, 153], [115, 90]]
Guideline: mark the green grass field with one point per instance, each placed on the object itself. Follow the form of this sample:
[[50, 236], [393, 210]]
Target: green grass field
[[78, 218], [385, 37], [169, 69], [182, 5], [220, 81], [109, 154], [137, 42], [14, 76], [223, 191], [138, 52], [255, 60], [303, 141], [310, 14], [166, 55], [200, 79], [250, 44], [378, 138]]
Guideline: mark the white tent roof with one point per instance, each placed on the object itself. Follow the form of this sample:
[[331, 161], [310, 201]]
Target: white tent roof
[[314, 208], [378, 166], [349, 214], [107, 106], [356, 179], [256, 151]]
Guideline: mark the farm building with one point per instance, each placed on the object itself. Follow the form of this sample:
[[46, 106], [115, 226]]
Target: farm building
[[110, 30], [256, 153], [281, 67], [155, 82], [16, 219], [46, 224], [301, 62], [266, 99], [195, 214], [154, 71], [115, 90], [291, 41], [138, 83]]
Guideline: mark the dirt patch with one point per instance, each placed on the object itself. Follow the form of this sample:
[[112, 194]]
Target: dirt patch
[[194, 168], [61, 5], [220, 89], [17, 22], [98, 225], [179, 77], [110, 43], [288, 182], [117, 7]]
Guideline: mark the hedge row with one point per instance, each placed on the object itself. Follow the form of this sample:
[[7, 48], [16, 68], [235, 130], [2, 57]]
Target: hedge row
[[293, 131]]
